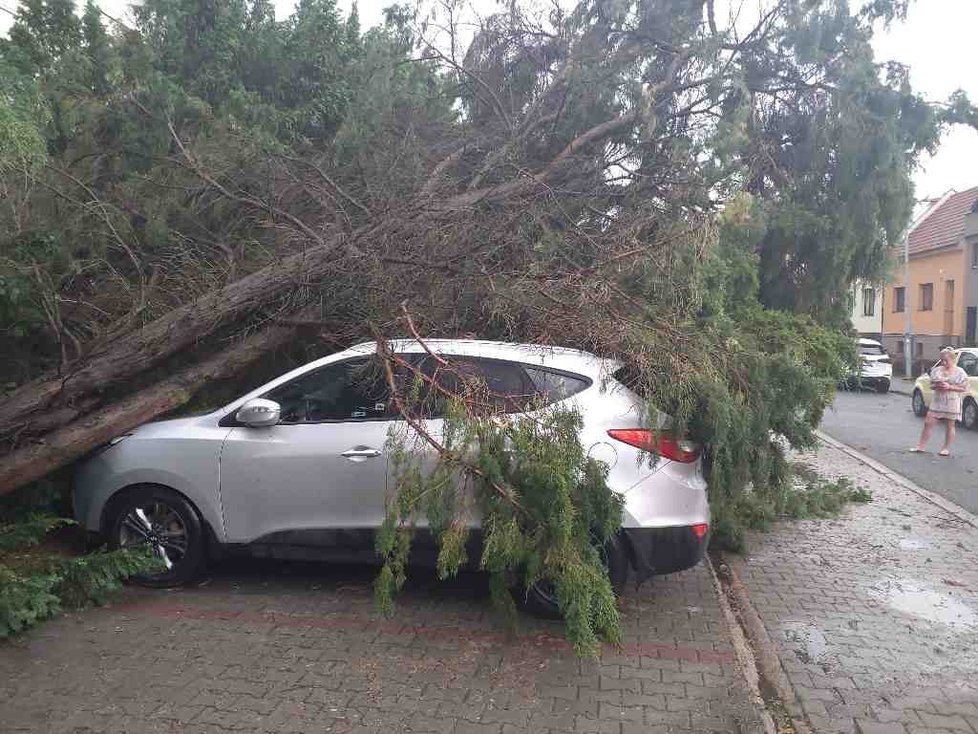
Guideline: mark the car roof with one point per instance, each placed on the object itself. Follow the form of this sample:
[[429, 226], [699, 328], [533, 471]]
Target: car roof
[[869, 342], [562, 358]]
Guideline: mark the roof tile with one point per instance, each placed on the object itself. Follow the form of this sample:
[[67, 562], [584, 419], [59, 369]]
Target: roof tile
[[943, 226]]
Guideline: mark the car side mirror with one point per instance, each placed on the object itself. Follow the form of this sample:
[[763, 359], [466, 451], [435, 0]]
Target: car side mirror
[[259, 413]]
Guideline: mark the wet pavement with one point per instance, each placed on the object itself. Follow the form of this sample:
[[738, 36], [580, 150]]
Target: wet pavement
[[875, 613], [884, 427], [299, 648]]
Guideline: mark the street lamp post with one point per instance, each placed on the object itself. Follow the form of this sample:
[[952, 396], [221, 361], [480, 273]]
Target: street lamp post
[[908, 332]]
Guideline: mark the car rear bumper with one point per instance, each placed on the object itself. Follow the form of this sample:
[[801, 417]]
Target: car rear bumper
[[658, 551], [867, 380]]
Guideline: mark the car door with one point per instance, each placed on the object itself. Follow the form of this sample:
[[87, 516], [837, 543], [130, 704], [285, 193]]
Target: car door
[[923, 383], [969, 363], [324, 466]]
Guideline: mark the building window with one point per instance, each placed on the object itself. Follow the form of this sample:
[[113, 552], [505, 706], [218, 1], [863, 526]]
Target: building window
[[900, 344], [974, 255], [869, 301], [920, 348], [926, 296], [899, 300]]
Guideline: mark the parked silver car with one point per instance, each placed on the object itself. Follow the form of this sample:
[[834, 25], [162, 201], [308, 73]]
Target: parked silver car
[[298, 467]]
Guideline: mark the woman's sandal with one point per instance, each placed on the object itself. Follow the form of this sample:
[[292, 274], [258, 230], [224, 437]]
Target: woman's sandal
[[915, 450], [943, 452]]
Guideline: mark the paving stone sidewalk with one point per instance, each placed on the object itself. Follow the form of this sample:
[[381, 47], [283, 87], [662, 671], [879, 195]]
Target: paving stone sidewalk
[[298, 648], [874, 614]]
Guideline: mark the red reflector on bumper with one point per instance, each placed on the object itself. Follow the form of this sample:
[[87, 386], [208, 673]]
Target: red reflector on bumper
[[699, 530]]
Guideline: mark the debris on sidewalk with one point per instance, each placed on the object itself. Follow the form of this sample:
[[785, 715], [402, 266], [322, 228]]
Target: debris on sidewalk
[[873, 614]]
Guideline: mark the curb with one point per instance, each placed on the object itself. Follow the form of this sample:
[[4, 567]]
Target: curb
[[766, 670], [746, 660], [935, 499]]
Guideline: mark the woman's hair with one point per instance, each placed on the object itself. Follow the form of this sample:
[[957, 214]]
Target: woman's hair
[[952, 354]]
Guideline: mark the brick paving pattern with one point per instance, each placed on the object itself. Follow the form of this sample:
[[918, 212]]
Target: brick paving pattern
[[298, 648], [875, 613]]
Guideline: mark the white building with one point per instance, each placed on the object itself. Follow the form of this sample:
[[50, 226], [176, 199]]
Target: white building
[[866, 309]]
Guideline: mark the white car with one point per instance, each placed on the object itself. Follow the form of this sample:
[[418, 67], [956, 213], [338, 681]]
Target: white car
[[298, 467], [875, 369]]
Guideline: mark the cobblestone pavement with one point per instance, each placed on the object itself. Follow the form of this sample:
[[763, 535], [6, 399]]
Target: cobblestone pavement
[[875, 613], [298, 648]]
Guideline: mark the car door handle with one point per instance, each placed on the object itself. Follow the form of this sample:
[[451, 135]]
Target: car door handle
[[359, 453]]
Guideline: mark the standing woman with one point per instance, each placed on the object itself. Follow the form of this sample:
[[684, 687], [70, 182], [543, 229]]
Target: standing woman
[[949, 382]]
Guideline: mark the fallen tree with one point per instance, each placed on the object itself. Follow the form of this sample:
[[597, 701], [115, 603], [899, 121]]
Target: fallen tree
[[76, 438], [641, 180]]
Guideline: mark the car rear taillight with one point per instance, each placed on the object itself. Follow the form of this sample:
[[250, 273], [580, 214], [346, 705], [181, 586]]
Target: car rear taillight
[[700, 529], [658, 442]]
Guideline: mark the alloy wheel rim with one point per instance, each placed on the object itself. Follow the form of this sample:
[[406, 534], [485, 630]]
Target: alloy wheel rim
[[971, 415], [157, 525]]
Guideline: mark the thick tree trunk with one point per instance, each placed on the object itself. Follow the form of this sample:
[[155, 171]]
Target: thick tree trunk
[[68, 443], [181, 328]]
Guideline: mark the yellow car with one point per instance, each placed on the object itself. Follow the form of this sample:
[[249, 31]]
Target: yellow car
[[968, 361]]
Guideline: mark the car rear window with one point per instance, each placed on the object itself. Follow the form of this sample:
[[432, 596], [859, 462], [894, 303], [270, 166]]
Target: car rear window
[[871, 350], [554, 386]]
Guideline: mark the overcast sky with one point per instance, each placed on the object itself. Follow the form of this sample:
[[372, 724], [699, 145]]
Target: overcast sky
[[934, 42]]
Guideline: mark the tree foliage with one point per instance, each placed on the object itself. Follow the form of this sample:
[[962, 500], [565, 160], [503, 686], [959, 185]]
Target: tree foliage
[[37, 584], [546, 511]]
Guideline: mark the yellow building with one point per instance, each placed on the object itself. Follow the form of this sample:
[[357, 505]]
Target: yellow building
[[941, 298]]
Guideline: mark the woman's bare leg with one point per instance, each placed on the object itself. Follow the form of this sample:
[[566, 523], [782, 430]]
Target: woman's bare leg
[[929, 422], [949, 433]]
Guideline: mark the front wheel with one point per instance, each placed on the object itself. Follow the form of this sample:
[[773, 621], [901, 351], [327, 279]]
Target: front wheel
[[919, 407], [165, 521], [969, 414], [541, 598]]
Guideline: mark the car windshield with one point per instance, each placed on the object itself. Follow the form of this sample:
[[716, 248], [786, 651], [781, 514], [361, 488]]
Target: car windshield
[[871, 350]]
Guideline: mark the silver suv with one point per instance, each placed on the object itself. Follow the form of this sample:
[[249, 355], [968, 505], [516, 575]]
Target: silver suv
[[298, 468]]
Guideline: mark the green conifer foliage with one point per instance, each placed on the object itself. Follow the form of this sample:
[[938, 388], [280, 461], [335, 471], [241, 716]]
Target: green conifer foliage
[[545, 508]]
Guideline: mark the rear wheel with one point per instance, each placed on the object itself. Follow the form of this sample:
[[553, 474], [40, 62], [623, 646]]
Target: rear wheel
[[883, 386], [165, 521], [969, 414], [541, 598], [919, 407]]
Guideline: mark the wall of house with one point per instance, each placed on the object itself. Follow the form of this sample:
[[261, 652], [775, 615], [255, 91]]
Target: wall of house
[[971, 270], [868, 326], [929, 327]]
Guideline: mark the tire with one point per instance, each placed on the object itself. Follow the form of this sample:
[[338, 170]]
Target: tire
[[883, 387], [969, 414], [152, 514], [541, 601], [919, 407]]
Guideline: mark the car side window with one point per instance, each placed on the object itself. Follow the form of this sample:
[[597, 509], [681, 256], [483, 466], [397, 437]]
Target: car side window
[[347, 391], [969, 363], [507, 387]]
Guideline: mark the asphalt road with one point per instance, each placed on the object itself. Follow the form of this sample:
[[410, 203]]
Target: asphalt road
[[884, 427]]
